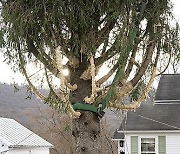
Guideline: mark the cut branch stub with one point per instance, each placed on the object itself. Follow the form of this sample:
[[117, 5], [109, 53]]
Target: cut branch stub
[[93, 96], [73, 62], [136, 104]]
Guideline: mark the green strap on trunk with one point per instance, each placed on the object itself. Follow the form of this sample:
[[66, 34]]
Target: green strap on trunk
[[85, 107], [89, 107]]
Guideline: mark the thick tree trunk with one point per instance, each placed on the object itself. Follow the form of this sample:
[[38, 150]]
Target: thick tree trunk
[[86, 130]]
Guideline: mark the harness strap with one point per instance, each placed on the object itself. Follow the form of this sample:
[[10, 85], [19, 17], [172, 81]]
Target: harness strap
[[89, 107]]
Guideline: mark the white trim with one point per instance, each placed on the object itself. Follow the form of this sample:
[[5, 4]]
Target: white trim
[[117, 139], [157, 103], [151, 131], [161, 101], [147, 136]]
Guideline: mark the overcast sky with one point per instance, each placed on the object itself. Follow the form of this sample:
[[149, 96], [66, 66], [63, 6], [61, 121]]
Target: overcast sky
[[7, 75]]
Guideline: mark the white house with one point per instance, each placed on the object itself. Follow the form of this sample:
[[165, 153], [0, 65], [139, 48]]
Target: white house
[[154, 128], [16, 139]]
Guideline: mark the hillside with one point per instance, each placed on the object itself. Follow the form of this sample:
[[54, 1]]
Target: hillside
[[44, 121], [16, 105]]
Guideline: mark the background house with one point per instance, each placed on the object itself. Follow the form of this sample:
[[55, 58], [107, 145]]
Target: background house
[[16, 139], [154, 128]]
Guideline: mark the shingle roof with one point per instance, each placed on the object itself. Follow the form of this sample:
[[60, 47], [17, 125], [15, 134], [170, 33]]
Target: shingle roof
[[17, 135], [150, 117], [118, 135], [162, 115], [168, 89]]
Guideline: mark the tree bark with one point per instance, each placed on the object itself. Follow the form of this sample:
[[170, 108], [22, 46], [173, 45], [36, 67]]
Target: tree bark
[[86, 130]]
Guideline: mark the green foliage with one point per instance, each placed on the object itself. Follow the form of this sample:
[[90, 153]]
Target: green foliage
[[36, 20], [56, 103], [112, 30], [137, 91], [70, 23]]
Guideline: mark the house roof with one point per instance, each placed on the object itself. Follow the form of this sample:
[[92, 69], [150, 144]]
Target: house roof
[[168, 90], [118, 136], [158, 116], [152, 117], [14, 134]]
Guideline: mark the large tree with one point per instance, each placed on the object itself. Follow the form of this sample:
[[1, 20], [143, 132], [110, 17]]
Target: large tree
[[127, 37]]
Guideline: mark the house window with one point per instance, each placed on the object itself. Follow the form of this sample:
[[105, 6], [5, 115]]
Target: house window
[[148, 146]]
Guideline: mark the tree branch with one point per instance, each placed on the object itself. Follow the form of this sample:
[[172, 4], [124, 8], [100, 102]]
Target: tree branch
[[136, 104], [48, 63], [108, 75], [169, 60], [50, 87], [64, 82], [34, 89], [144, 65], [130, 64], [105, 57], [104, 32], [91, 99]]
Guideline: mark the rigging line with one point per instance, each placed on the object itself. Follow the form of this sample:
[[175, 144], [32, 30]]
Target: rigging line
[[36, 72], [156, 121]]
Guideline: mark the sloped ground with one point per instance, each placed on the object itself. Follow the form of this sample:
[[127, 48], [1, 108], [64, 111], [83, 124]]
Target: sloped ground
[[41, 119]]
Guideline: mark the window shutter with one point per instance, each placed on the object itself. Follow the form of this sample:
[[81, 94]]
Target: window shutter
[[134, 144], [162, 144]]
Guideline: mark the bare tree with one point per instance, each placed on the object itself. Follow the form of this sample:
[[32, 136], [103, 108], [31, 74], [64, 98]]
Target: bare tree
[[56, 128]]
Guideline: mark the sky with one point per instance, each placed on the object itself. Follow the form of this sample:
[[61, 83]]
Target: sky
[[176, 8], [7, 75]]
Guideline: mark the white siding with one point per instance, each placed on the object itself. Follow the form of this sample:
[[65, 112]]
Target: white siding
[[172, 141], [127, 144], [38, 150]]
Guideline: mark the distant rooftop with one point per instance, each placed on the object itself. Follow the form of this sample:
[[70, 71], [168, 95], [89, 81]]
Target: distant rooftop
[[150, 117], [14, 134], [161, 115], [168, 90]]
